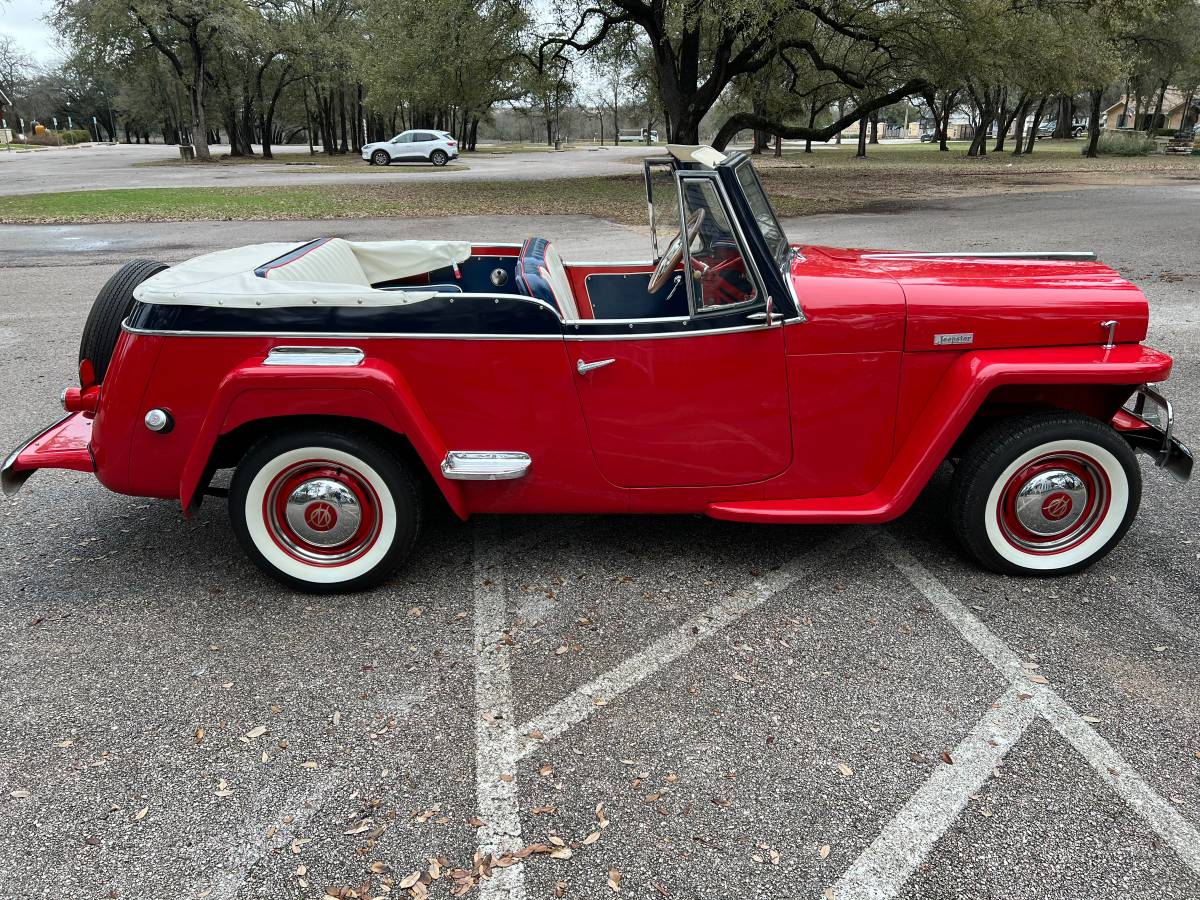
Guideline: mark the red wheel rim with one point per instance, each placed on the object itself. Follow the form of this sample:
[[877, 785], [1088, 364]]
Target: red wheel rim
[[322, 513], [1053, 503]]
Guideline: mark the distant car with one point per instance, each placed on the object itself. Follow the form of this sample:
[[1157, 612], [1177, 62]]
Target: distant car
[[636, 136], [1046, 129], [928, 136], [437, 147]]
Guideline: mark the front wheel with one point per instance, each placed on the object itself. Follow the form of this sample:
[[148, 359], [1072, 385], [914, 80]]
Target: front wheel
[[1045, 494], [380, 158], [324, 511], [438, 157]]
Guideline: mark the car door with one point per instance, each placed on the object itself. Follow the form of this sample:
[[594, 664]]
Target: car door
[[423, 144], [692, 401], [402, 146]]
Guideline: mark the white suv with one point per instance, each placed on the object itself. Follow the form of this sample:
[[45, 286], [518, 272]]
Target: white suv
[[418, 145]]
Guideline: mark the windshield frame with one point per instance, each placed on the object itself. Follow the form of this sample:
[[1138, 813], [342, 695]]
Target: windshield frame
[[782, 253]]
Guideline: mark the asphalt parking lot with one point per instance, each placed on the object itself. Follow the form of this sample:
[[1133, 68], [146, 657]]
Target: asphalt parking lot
[[671, 707]]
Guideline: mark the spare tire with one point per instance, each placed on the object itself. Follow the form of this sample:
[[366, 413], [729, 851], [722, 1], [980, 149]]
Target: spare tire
[[110, 308]]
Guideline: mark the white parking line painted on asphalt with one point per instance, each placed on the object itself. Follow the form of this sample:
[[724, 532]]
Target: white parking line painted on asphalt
[[581, 703], [881, 870], [301, 808], [884, 866], [495, 742]]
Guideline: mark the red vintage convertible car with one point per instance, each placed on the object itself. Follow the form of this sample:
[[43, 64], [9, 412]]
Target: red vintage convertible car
[[738, 376]]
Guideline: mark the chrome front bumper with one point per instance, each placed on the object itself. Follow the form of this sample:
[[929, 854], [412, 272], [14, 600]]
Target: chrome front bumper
[[1153, 432]]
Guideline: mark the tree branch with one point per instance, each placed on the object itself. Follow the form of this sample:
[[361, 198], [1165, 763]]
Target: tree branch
[[743, 120]]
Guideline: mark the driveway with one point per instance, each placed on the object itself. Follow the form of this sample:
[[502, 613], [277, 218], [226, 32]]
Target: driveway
[[669, 706], [108, 167]]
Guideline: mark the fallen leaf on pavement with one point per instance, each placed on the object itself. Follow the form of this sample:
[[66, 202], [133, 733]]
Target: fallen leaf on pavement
[[256, 732], [141, 813], [945, 757], [824, 851], [614, 880], [845, 770]]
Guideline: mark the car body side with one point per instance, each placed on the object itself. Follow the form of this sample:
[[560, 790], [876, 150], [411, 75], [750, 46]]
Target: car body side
[[862, 409]]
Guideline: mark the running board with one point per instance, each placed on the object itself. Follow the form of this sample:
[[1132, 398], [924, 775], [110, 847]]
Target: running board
[[485, 465]]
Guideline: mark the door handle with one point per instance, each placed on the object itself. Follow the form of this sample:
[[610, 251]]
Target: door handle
[[769, 317], [584, 367]]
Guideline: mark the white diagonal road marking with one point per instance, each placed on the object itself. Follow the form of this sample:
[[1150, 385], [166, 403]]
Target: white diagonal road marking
[[581, 703], [882, 869], [885, 865]]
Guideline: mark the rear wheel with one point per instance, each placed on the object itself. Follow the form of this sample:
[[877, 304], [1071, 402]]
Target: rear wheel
[[324, 511], [110, 308], [380, 158], [1046, 494], [438, 157]]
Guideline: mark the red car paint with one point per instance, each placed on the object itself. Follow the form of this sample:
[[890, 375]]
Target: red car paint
[[842, 417]]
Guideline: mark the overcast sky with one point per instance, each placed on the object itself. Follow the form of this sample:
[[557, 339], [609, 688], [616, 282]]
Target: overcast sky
[[22, 20]]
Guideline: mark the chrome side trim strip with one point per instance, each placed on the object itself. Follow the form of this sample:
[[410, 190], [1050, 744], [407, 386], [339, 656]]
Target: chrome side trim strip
[[343, 335], [485, 465], [314, 356], [1066, 255], [667, 334], [416, 336]]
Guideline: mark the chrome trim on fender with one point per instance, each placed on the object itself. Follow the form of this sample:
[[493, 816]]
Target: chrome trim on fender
[[485, 465], [1065, 255], [10, 481], [314, 356]]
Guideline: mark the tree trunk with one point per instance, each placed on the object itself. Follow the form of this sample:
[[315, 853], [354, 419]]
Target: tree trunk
[[1037, 121], [199, 117], [874, 128], [1162, 91], [778, 146], [861, 153], [1094, 122]]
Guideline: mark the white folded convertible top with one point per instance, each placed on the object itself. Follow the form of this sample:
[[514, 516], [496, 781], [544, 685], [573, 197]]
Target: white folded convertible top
[[330, 272]]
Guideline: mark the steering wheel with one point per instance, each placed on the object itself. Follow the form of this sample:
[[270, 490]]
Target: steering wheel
[[673, 255]]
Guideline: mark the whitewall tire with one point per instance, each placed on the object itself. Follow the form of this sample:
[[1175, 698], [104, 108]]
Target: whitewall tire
[[1045, 494], [324, 511]]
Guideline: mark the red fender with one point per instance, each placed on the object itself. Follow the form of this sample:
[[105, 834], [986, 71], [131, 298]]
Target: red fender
[[374, 391], [957, 398]]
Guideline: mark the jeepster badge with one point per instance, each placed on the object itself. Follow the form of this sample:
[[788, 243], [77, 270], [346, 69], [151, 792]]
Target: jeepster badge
[[944, 340], [320, 516]]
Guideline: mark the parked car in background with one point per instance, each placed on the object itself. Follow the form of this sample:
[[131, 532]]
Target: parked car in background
[[637, 136], [1046, 129], [417, 145], [928, 136]]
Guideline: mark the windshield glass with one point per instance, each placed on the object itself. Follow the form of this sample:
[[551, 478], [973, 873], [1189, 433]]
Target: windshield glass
[[763, 214]]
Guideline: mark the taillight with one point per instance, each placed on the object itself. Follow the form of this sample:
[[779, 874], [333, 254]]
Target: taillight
[[452, 143], [84, 400]]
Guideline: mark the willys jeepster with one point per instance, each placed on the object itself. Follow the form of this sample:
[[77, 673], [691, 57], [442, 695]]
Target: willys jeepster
[[736, 375]]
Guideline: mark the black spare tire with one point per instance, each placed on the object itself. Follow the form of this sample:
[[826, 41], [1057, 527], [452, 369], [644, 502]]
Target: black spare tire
[[110, 308]]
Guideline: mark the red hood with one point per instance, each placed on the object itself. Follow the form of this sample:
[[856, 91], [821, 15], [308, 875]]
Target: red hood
[[1001, 302]]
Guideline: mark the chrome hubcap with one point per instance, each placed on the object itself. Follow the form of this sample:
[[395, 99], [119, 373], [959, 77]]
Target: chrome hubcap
[[323, 512], [1054, 502], [1051, 502]]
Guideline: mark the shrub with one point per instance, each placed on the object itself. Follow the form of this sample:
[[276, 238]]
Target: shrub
[[77, 136], [1115, 143]]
